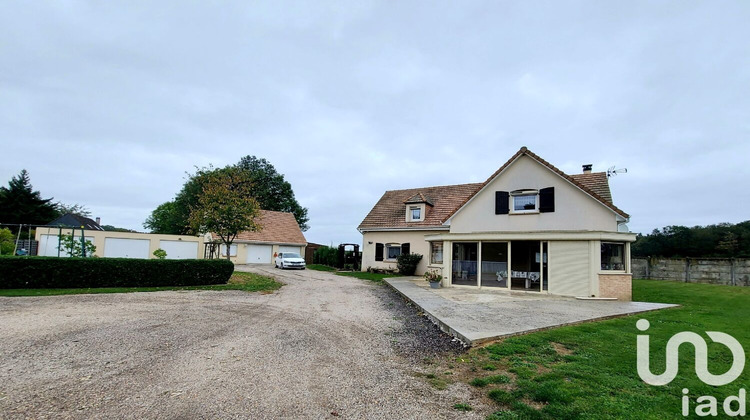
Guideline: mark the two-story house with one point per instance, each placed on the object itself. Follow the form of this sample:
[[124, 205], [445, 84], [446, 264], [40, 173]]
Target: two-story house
[[528, 227]]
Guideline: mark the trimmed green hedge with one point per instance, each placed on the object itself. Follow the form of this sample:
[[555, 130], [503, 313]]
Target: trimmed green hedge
[[67, 273]]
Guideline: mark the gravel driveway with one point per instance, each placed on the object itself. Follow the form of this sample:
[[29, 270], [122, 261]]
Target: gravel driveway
[[323, 346]]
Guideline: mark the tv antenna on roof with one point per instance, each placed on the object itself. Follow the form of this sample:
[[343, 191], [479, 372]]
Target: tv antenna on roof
[[612, 171]]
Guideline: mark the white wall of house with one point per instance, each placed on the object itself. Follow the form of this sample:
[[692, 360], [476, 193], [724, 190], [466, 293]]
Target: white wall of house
[[574, 209], [417, 245]]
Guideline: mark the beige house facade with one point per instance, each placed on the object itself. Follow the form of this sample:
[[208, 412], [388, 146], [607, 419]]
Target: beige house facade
[[280, 233], [529, 227]]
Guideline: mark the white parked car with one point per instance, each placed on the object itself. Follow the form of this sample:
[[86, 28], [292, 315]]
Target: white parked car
[[289, 260]]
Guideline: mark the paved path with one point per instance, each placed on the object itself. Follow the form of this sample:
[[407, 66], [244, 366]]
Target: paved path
[[320, 347], [476, 317]]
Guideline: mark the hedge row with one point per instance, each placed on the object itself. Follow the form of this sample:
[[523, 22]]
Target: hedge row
[[66, 273]]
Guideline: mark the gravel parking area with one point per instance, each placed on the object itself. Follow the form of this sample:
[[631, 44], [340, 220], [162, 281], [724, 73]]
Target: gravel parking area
[[323, 346]]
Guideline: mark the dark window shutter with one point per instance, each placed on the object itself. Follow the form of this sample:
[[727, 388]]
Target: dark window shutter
[[378, 252], [502, 199], [405, 248], [547, 200]]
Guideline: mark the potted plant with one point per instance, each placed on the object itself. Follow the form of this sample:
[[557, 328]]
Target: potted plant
[[434, 278]]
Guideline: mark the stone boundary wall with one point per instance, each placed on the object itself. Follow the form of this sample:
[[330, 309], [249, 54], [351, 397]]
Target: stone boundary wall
[[727, 271]]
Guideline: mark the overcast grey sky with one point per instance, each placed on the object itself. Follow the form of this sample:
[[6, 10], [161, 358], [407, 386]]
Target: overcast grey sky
[[108, 104]]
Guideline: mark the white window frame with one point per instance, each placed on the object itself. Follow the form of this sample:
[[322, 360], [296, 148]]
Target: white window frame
[[232, 250], [387, 254], [524, 193], [624, 258], [432, 252], [412, 209]]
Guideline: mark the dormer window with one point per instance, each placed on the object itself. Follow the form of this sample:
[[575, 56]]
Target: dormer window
[[417, 207], [416, 213], [525, 201]]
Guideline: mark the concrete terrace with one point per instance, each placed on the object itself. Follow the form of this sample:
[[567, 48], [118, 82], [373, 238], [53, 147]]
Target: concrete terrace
[[477, 317]]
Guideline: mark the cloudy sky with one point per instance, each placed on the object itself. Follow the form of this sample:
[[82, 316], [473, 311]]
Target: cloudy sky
[[108, 104]]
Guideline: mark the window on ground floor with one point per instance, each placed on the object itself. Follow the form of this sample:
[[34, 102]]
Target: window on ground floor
[[392, 251], [613, 256], [436, 252], [232, 250]]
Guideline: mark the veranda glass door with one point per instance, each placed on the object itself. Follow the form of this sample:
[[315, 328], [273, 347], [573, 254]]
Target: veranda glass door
[[494, 264], [525, 263], [464, 270]]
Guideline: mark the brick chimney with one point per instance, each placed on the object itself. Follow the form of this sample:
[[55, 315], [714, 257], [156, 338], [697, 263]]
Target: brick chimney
[[587, 168]]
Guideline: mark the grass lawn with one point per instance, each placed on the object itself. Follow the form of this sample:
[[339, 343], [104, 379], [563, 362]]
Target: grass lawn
[[374, 277], [248, 282], [589, 371]]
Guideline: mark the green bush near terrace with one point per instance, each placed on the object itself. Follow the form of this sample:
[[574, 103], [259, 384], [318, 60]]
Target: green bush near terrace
[[63, 273]]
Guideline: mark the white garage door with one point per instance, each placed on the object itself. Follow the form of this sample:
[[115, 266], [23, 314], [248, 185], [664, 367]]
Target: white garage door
[[289, 249], [180, 250], [259, 254], [48, 245], [126, 248]]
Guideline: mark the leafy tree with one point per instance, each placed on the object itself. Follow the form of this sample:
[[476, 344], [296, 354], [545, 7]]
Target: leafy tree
[[721, 240], [77, 209], [165, 219], [226, 206], [269, 189], [19, 203], [110, 228]]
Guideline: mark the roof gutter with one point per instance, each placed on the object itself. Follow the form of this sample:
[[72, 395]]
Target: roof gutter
[[405, 229]]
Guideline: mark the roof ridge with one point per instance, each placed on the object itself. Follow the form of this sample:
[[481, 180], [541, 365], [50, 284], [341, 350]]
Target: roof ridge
[[436, 186]]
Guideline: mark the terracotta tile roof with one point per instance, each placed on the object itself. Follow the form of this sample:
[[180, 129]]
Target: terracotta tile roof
[[419, 198], [278, 227], [390, 210], [596, 182]]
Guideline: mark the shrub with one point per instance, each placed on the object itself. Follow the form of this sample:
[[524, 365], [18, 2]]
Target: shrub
[[72, 246], [7, 241], [66, 273], [160, 254], [326, 255], [407, 263]]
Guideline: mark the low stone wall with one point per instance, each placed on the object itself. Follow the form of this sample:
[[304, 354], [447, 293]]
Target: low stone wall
[[618, 286], [727, 271]]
